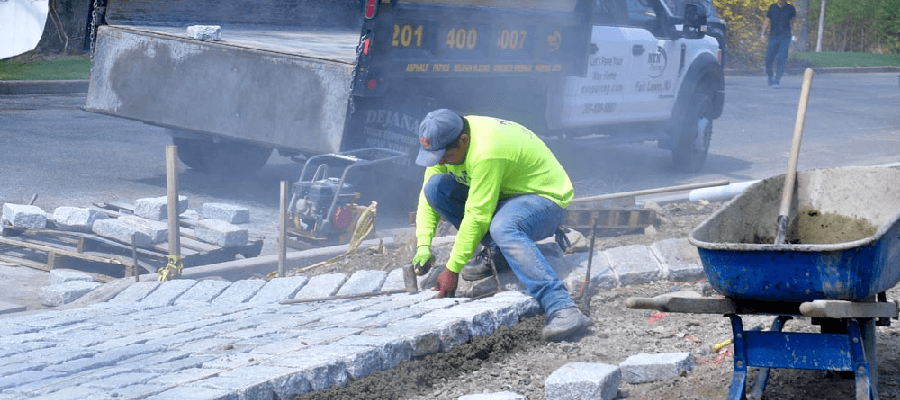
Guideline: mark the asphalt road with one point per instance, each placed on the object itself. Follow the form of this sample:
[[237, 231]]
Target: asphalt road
[[851, 119], [51, 147]]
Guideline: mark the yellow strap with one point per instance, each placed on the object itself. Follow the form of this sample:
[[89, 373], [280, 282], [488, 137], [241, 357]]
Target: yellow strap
[[172, 270], [364, 225]]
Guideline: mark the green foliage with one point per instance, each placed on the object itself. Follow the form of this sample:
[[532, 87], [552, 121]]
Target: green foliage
[[847, 59], [888, 25], [59, 69], [858, 25], [744, 19]]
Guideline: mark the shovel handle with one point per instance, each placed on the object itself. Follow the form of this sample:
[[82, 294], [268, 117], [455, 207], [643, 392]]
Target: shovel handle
[[790, 177]]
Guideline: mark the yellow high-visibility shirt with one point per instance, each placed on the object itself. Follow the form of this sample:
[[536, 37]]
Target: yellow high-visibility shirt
[[504, 159]]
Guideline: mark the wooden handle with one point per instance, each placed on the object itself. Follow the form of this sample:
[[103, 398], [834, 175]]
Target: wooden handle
[[172, 201], [643, 303], [790, 177]]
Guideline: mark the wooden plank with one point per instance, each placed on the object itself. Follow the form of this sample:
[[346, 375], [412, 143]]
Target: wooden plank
[[609, 218], [194, 244], [48, 249], [24, 262]]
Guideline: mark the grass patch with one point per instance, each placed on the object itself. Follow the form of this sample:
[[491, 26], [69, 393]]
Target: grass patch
[[848, 59], [80, 67], [51, 70]]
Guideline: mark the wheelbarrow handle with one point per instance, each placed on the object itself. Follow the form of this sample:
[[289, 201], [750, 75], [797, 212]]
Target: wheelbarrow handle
[[849, 309], [685, 302]]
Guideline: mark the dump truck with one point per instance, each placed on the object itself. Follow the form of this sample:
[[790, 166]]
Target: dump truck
[[309, 78]]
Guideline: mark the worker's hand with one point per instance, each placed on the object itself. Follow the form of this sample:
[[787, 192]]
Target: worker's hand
[[421, 262], [446, 283]]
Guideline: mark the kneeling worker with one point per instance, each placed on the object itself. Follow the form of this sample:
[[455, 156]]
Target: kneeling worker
[[499, 185]]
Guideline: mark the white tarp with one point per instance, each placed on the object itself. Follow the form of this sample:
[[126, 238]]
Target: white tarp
[[21, 25]]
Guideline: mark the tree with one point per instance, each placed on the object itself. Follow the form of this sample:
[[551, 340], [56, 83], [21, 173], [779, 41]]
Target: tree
[[803, 22], [821, 26], [65, 32], [858, 25]]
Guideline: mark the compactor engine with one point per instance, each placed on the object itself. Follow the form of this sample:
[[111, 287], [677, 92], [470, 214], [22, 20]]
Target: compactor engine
[[324, 207]]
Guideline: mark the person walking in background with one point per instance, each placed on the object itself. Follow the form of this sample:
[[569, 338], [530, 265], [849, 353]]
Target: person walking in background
[[500, 186], [778, 18]]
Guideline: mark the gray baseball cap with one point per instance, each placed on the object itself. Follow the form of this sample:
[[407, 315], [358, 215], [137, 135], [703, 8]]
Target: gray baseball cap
[[436, 131]]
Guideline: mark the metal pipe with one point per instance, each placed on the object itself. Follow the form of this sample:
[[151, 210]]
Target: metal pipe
[[689, 186]]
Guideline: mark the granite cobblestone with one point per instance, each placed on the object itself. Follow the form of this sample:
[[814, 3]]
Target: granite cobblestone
[[214, 339]]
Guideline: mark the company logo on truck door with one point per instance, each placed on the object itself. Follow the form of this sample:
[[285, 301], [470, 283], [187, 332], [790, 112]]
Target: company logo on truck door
[[657, 63]]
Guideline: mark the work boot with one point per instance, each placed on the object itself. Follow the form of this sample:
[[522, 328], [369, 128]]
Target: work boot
[[480, 268], [563, 323]]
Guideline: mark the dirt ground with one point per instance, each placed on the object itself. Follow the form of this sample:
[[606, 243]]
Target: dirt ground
[[517, 360]]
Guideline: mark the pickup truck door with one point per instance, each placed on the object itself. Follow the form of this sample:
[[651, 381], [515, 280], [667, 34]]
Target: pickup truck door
[[631, 74], [650, 92]]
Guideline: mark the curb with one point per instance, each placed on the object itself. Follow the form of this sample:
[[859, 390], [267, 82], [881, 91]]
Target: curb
[[44, 87], [81, 85], [799, 71]]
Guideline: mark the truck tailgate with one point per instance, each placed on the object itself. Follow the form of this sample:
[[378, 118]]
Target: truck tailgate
[[279, 88]]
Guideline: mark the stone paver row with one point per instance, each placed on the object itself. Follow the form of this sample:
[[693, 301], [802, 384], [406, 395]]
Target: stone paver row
[[208, 339], [239, 344]]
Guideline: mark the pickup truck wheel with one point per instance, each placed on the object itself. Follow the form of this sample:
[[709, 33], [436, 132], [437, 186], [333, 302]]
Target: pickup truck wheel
[[222, 158], [190, 152], [694, 134]]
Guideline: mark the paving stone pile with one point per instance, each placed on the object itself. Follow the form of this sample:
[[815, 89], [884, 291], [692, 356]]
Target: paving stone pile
[[217, 223]]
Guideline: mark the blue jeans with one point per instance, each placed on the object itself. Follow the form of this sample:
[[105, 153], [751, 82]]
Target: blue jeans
[[777, 47], [517, 223]]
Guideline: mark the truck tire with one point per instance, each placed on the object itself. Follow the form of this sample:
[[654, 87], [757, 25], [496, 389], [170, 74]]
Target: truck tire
[[222, 158], [693, 135], [190, 152]]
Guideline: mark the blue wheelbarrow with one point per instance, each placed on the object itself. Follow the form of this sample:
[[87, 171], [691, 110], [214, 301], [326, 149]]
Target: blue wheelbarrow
[[840, 256]]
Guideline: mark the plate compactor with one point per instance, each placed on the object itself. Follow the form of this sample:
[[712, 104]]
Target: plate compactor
[[323, 209]]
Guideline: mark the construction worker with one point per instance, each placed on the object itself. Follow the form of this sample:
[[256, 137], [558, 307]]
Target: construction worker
[[500, 186]]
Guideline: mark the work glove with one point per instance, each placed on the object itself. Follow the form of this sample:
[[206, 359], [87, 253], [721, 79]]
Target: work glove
[[446, 283], [422, 261]]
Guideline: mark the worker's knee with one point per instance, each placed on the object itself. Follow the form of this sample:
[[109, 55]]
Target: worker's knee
[[438, 186]]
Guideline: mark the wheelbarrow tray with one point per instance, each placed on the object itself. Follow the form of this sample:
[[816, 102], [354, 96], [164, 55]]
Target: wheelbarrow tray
[[739, 267]]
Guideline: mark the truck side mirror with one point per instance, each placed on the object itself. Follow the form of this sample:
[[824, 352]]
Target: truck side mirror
[[694, 26]]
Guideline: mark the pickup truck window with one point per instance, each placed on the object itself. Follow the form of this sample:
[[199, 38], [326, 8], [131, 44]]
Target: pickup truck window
[[640, 13], [609, 12], [547, 5]]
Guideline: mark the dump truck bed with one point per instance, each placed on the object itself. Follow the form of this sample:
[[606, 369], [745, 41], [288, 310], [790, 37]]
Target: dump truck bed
[[329, 45], [279, 88]]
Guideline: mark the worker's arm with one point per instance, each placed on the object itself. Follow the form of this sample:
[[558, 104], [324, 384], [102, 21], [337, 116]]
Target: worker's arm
[[484, 191], [766, 21], [426, 218]]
